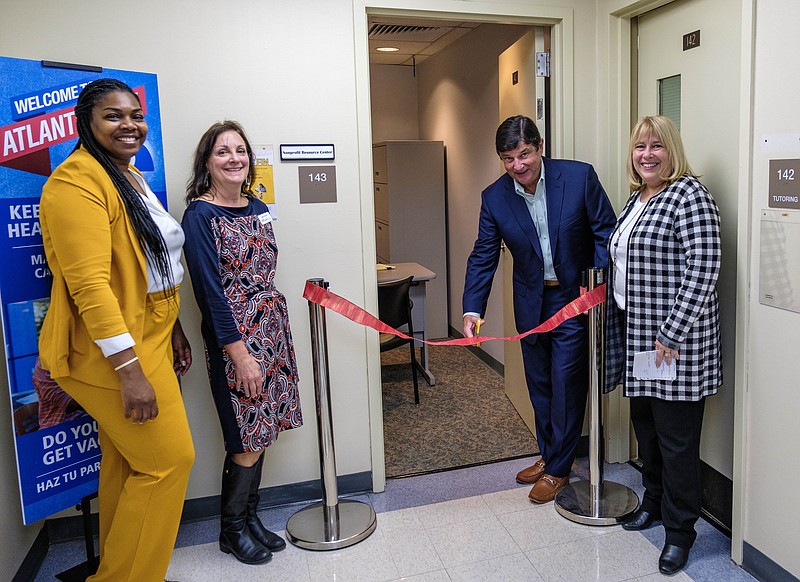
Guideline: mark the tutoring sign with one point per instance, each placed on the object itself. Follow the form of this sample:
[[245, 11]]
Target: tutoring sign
[[58, 455]]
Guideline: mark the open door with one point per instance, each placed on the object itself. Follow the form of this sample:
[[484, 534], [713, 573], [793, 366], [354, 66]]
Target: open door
[[522, 92]]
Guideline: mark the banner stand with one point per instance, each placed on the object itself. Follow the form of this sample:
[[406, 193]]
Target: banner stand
[[595, 502], [56, 454], [82, 571], [330, 524]]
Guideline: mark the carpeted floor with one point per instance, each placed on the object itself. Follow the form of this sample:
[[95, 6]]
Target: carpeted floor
[[465, 419]]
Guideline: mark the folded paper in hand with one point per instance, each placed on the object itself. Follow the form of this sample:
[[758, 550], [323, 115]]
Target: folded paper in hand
[[644, 367]]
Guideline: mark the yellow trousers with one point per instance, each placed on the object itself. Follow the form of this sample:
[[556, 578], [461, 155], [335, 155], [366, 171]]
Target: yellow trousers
[[145, 468]]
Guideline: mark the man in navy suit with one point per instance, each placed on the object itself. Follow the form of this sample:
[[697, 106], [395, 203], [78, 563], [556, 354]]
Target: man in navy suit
[[555, 218]]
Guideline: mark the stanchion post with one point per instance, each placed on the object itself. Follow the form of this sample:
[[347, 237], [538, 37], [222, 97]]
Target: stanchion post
[[319, 346], [596, 502], [596, 329], [331, 524]]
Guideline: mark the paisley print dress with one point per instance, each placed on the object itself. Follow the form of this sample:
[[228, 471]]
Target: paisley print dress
[[231, 255]]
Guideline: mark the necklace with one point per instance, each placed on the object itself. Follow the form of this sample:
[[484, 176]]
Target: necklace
[[627, 224]]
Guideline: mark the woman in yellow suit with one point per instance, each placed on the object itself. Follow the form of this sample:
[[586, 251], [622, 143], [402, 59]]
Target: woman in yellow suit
[[111, 338]]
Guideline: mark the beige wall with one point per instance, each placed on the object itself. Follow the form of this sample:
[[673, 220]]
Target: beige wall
[[246, 60], [771, 408], [393, 98]]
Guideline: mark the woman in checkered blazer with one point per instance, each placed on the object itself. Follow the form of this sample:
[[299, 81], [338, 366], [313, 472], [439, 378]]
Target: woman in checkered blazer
[[666, 253]]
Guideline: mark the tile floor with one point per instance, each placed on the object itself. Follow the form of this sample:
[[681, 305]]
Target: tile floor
[[472, 524]]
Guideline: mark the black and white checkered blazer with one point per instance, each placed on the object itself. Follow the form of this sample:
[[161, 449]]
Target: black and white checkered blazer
[[673, 262]]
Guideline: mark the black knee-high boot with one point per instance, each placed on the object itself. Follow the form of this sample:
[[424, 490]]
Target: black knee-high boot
[[272, 541], [234, 536]]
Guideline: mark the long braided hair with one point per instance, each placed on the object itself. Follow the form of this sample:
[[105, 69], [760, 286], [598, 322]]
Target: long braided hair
[[147, 233]]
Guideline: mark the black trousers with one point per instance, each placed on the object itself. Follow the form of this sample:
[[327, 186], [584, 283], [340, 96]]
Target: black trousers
[[669, 447]]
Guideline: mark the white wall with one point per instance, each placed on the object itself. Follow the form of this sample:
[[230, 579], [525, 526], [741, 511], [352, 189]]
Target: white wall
[[771, 404], [285, 71]]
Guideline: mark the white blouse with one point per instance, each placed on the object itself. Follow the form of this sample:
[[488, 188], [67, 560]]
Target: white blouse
[[172, 233], [619, 251]]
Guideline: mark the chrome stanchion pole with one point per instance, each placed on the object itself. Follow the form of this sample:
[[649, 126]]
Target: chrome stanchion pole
[[595, 501], [330, 524]]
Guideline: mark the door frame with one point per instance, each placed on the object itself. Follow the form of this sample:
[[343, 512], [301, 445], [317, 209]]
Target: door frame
[[562, 22], [618, 97]]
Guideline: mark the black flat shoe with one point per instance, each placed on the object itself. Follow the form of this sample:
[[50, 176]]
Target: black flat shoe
[[639, 520], [673, 559]]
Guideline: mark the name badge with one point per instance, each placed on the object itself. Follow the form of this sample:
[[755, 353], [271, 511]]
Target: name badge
[[265, 218]]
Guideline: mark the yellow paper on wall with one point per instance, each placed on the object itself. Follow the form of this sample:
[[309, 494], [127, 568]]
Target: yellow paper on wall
[[264, 186]]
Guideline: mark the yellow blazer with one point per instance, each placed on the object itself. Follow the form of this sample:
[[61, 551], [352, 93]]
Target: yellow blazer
[[99, 272]]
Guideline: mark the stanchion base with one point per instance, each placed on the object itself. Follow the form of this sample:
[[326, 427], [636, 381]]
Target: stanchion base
[[577, 503], [346, 524]]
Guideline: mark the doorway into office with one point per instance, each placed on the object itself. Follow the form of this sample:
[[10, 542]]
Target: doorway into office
[[683, 48], [723, 51], [451, 96]]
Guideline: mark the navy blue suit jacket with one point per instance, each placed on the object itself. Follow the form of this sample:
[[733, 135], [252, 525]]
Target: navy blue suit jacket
[[580, 219]]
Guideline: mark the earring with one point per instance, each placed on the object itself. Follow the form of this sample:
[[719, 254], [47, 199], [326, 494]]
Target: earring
[[207, 183]]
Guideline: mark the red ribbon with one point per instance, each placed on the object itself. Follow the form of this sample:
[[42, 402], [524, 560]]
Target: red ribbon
[[324, 298]]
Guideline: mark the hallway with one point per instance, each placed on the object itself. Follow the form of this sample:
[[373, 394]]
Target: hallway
[[472, 524]]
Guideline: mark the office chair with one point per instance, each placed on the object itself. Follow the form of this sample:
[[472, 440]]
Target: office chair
[[394, 309]]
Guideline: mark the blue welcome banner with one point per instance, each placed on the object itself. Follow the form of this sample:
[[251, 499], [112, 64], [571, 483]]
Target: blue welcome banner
[[57, 464]]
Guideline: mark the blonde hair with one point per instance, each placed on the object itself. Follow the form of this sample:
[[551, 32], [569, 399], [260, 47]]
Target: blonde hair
[[663, 129]]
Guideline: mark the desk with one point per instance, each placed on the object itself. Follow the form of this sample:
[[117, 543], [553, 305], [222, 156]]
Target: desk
[[421, 276]]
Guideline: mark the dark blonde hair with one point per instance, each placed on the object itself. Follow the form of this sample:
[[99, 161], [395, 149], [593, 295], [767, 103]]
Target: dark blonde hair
[[200, 180], [663, 129]]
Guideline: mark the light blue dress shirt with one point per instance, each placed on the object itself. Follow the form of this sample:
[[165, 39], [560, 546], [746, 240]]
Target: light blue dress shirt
[[537, 206]]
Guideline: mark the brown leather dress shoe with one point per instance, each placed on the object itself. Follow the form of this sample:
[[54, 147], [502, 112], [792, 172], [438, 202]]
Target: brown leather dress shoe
[[546, 488], [532, 474]]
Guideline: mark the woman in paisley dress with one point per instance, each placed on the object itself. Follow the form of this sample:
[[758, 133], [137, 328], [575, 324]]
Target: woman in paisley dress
[[231, 255]]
